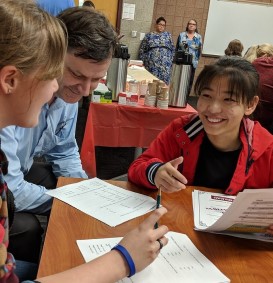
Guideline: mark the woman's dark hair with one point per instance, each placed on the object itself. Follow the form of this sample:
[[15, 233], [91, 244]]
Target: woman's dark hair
[[235, 47], [160, 19], [242, 76], [187, 27]]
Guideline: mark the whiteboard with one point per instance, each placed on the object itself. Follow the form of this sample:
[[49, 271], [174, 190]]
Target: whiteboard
[[250, 23]]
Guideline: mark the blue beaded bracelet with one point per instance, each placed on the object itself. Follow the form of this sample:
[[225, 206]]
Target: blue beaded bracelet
[[128, 259]]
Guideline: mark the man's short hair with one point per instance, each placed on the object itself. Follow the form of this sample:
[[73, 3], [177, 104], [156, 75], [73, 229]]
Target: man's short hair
[[90, 34]]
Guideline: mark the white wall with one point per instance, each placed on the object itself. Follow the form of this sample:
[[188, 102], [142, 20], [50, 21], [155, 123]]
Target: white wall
[[227, 20]]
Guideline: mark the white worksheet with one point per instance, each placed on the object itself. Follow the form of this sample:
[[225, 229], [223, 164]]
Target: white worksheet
[[103, 201], [246, 215], [209, 207], [179, 261]]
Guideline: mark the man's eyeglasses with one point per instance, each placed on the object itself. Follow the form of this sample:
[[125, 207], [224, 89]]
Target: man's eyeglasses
[[161, 25], [3, 162]]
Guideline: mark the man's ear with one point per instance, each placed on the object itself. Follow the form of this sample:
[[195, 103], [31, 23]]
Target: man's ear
[[252, 105], [8, 79]]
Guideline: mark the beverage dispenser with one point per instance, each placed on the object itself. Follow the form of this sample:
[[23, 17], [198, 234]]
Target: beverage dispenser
[[117, 72], [180, 78]]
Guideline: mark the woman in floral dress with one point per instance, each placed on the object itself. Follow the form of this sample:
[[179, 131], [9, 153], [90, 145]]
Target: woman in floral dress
[[157, 50]]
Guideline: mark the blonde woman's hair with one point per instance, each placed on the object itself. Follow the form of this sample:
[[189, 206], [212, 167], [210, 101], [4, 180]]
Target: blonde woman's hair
[[257, 51], [251, 53], [31, 39], [265, 49]]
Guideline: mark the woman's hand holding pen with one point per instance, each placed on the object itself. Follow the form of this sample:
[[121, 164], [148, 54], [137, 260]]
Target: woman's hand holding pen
[[142, 242], [168, 178]]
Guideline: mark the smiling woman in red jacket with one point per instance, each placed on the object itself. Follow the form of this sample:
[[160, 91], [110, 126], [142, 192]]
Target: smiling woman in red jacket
[[218, 148]]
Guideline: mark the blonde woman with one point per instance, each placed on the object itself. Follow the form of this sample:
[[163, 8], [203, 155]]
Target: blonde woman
[[28, 75], [256, 51], [264, 66]]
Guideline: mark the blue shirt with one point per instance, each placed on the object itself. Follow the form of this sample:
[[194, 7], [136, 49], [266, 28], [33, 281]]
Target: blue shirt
[[53, 138], [54, 7], [194, 45]]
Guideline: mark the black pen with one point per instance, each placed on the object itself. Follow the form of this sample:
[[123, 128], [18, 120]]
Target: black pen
[[158, 201]]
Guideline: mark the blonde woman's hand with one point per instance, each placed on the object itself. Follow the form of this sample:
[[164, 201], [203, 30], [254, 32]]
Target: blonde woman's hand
[[142, 242]]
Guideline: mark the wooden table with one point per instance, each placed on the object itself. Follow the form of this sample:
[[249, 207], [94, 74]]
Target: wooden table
[[115, 125], [241, 260]]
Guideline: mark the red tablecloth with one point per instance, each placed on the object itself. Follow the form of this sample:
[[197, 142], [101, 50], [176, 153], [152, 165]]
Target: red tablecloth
[[115, 125]]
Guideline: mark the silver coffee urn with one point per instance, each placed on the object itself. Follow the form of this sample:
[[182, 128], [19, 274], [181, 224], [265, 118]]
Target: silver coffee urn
[[180, 78], [117, 72]]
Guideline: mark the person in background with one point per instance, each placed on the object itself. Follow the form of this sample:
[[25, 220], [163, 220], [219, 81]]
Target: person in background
[[257, 51], [157, 51], [250, 54], [217, 148], [191, 40], [235, 48], [91, 41], [264, 66], [54, 7], [27, 82]]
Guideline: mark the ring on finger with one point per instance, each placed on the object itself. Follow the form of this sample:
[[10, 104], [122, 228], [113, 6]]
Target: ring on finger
[[160, 244]]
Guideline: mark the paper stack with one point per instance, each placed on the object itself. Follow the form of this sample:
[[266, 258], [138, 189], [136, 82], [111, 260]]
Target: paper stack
[[246, 216]]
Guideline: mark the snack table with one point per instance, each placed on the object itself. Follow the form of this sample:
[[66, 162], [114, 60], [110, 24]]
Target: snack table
[[115, 125]]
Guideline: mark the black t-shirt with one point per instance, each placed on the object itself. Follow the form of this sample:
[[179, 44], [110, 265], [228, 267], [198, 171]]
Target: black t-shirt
[[215, 168]]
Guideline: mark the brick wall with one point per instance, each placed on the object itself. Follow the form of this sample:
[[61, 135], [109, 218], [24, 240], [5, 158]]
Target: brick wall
[[178, 13]]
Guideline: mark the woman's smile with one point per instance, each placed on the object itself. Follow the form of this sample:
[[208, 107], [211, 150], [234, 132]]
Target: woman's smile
[[214, 120]]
